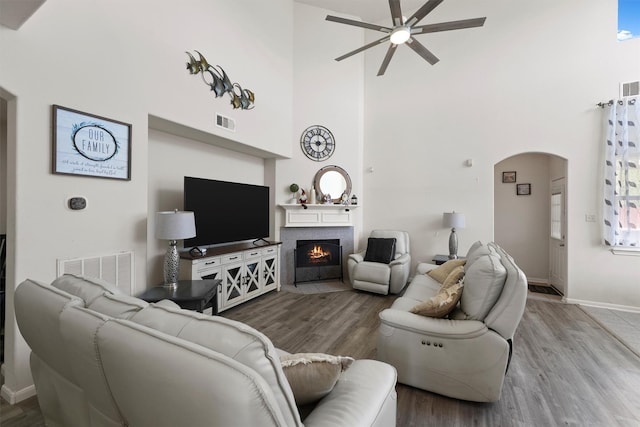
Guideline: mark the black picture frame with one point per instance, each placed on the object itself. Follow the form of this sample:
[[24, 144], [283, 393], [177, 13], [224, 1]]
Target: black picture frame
[[523, 189], [509, 177], [89, 145]]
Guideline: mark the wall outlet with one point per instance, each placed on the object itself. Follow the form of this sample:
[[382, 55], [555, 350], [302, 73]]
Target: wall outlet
[[590, 218]]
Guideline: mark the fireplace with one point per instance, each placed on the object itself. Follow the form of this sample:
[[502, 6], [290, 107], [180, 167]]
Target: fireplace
[[290, 236], [317, 259]]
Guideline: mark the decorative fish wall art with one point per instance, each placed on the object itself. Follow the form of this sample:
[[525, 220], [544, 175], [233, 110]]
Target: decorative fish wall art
[[219, 82]]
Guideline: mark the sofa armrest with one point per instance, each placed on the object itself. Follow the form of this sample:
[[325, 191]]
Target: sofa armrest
[[357, 257], [401, 260], [364, 396], [424, 267], [444, 328]]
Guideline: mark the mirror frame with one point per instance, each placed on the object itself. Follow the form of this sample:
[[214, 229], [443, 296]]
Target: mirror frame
[[321, 173]]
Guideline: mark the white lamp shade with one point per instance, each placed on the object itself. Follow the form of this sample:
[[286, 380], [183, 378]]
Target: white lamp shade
[[453, 220], [175, 225]]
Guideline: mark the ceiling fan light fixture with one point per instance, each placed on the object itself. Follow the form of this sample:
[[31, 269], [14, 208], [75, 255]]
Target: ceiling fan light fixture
[[400, 35]]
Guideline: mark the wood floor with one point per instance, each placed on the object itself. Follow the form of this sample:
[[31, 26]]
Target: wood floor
[[566, 370]]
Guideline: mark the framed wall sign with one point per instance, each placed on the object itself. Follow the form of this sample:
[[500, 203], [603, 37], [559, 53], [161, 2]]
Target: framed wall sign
[[509, 176], [523, 189], [90, 145]]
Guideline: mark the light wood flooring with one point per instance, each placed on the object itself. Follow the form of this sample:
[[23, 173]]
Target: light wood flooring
[[566, 369]]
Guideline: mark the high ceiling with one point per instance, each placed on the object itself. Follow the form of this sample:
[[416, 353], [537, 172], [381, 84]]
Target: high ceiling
[[369, 10]]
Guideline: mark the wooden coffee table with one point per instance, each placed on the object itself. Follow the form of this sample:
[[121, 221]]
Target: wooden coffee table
[[190, 294]]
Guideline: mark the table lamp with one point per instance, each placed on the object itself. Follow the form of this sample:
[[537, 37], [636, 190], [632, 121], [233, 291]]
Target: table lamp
[[173, 226], [453, 220]]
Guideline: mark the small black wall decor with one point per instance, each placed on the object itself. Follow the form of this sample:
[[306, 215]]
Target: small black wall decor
[[219, 82]]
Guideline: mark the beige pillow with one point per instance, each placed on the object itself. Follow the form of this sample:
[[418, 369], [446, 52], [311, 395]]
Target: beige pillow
[[313, 375], [441, 272], [454, 277], [441, 303]]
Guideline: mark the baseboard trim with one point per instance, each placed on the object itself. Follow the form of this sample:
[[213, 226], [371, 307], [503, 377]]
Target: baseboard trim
[[536, 281], [618, 307], [14, 397]]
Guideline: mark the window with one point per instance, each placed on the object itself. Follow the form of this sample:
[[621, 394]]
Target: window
[[556, 216], [628, 192]]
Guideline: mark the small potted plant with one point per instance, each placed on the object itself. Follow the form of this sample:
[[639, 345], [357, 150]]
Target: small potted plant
[[294, 192]]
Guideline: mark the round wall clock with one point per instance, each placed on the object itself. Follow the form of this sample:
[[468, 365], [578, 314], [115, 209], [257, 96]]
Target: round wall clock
[[317, 143]]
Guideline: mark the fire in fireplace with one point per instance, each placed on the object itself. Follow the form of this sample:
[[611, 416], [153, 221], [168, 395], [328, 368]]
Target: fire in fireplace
[[318, 260]]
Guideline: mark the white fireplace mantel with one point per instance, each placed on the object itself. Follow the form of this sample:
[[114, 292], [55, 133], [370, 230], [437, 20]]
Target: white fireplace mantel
[[318, 215]]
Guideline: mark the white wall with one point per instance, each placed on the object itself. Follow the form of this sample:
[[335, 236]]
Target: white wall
[[125, 60], [527, 81], [171, 158], [327, 93], [521, 223]]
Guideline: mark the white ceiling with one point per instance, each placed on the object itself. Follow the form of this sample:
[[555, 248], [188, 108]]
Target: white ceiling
[[369, 10]]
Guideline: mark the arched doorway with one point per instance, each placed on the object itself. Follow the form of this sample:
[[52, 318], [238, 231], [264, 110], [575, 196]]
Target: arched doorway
[[530, 215]]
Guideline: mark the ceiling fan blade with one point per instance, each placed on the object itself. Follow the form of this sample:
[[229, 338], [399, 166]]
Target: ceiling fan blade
[[372, 44], [422, 51], [396, 12], [423, 11], [358, 24], [447, 26], [387, 58]]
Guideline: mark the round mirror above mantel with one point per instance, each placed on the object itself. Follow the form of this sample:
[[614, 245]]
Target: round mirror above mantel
[[332, 181]]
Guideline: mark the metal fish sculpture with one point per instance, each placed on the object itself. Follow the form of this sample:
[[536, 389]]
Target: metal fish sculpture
[[220, 82]]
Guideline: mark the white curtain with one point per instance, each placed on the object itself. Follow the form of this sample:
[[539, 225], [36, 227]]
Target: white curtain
[[622, 173]]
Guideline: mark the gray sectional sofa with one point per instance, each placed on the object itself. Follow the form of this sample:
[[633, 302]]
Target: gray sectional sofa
[[466, 354], [101, 358]]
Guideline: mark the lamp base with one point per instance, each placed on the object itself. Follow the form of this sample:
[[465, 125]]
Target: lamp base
[[171, 265], [453, 244]]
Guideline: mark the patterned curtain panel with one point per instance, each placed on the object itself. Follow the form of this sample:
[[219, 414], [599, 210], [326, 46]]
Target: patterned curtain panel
[[622, 174]]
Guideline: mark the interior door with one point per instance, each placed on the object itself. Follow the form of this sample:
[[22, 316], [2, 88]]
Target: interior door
[[558, 236]]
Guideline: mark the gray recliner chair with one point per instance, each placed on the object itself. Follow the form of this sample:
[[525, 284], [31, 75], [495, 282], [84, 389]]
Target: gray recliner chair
[[378, 270]]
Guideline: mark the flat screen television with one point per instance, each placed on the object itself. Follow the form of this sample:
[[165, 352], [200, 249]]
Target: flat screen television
[[226, 211]]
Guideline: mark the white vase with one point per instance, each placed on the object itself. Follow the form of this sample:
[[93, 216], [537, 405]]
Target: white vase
[[312, 196]]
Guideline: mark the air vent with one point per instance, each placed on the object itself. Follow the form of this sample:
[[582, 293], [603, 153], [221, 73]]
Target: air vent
[[629, 89], [225, 122]]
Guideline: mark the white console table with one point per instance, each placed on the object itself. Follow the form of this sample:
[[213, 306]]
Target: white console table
[[246, 270], [318, 215]]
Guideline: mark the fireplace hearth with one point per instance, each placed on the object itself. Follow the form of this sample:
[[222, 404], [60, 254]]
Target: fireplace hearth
[[317, 259]]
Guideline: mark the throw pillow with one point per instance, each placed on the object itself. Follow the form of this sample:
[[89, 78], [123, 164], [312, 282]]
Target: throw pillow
[[454, 277], [441, 303], [483, 281], [380, 249], [313, 375], [441, 272]]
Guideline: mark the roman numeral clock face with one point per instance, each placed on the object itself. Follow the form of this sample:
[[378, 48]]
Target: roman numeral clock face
[[317, 143]]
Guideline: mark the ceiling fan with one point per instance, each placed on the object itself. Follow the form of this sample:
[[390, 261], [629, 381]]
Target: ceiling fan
[[404, 30]]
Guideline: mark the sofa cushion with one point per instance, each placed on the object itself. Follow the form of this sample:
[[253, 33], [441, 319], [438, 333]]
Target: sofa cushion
[[479, 252], [119, 306], [441, 272], [233, 339], [483, 283], [473, 247], [440, 304], [86, 288], [373, 272], [379, 249], [313, 375]]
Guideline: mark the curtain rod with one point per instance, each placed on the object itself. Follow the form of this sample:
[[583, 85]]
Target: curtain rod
[[605, 104], [610, 102]]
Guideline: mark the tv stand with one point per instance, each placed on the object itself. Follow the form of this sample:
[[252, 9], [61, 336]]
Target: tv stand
[[246, 271], [255, 242]]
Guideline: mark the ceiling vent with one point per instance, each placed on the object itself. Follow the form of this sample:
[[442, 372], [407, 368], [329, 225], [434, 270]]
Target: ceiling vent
[[629, 89], [225, 122]]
